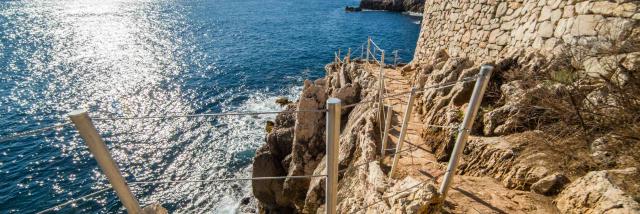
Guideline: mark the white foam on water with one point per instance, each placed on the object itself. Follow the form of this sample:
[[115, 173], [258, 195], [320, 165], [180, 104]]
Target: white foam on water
[[412, 13], [218, 148]]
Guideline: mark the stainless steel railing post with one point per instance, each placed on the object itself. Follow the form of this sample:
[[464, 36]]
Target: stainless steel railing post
[[334, 108], [463, 132], [403, 132], [387, 127]]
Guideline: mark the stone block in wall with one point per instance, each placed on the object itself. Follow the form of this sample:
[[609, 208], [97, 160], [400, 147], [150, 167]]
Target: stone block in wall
[[554, 3], [550, 44], [614, 28], [545, 29], [518, 33], [568, 11], [507, 25], [556, 15], [583, 7], [493, 36], [503, 39], [585, 25], [537, 43], [562, 27], [545, 13], [501, 9], [516, 6], [613, 9]]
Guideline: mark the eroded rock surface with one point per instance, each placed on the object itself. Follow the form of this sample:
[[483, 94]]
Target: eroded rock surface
[[608, 191]]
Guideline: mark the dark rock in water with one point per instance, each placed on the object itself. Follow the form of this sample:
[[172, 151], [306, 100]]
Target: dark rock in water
[[247, 205], [283, 101], [269, 126], [393, 5], [245, 201], [352, 9]]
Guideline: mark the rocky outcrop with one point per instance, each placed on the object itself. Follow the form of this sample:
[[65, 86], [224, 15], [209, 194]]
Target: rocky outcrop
[[296, 146], [271, 160], [608, 191], [308, 140], [555, 107], [416, 6]]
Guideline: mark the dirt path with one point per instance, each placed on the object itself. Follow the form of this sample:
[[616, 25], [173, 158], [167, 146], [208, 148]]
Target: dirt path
[[468, 194]]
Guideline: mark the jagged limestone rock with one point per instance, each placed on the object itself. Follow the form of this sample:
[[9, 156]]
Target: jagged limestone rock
[[308, 141], [410, 196], [608, 191], [270, 161]]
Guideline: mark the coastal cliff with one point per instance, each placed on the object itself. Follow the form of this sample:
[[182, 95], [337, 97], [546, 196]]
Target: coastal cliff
[[416, 6], [557, 132]]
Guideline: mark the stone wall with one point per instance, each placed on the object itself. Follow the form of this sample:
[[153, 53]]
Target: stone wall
[[485, 30]]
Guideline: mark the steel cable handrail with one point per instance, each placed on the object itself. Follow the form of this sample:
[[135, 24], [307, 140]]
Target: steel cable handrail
[[174, 181], [434, 87], [374, 56], [84, 197], [208, 115], [226, 179], [370, 161], [33, 132], [375, 45], [43, 129]]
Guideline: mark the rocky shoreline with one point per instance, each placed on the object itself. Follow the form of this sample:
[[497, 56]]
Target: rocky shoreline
[[415, 6]]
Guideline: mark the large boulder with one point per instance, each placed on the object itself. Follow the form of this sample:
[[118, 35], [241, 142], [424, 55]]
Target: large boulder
[[607, 191], [550, 185]]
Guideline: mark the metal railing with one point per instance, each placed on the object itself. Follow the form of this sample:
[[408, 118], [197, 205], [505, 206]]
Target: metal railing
[[84, 125]]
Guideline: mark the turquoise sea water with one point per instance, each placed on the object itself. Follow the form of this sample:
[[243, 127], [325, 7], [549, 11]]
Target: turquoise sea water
[[130, 58]]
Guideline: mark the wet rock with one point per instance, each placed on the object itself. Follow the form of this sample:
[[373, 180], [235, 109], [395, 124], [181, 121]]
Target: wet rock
[[154, 209], [269, 126], [283, 101], [247, 205], [352, 9], [269, 192]]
